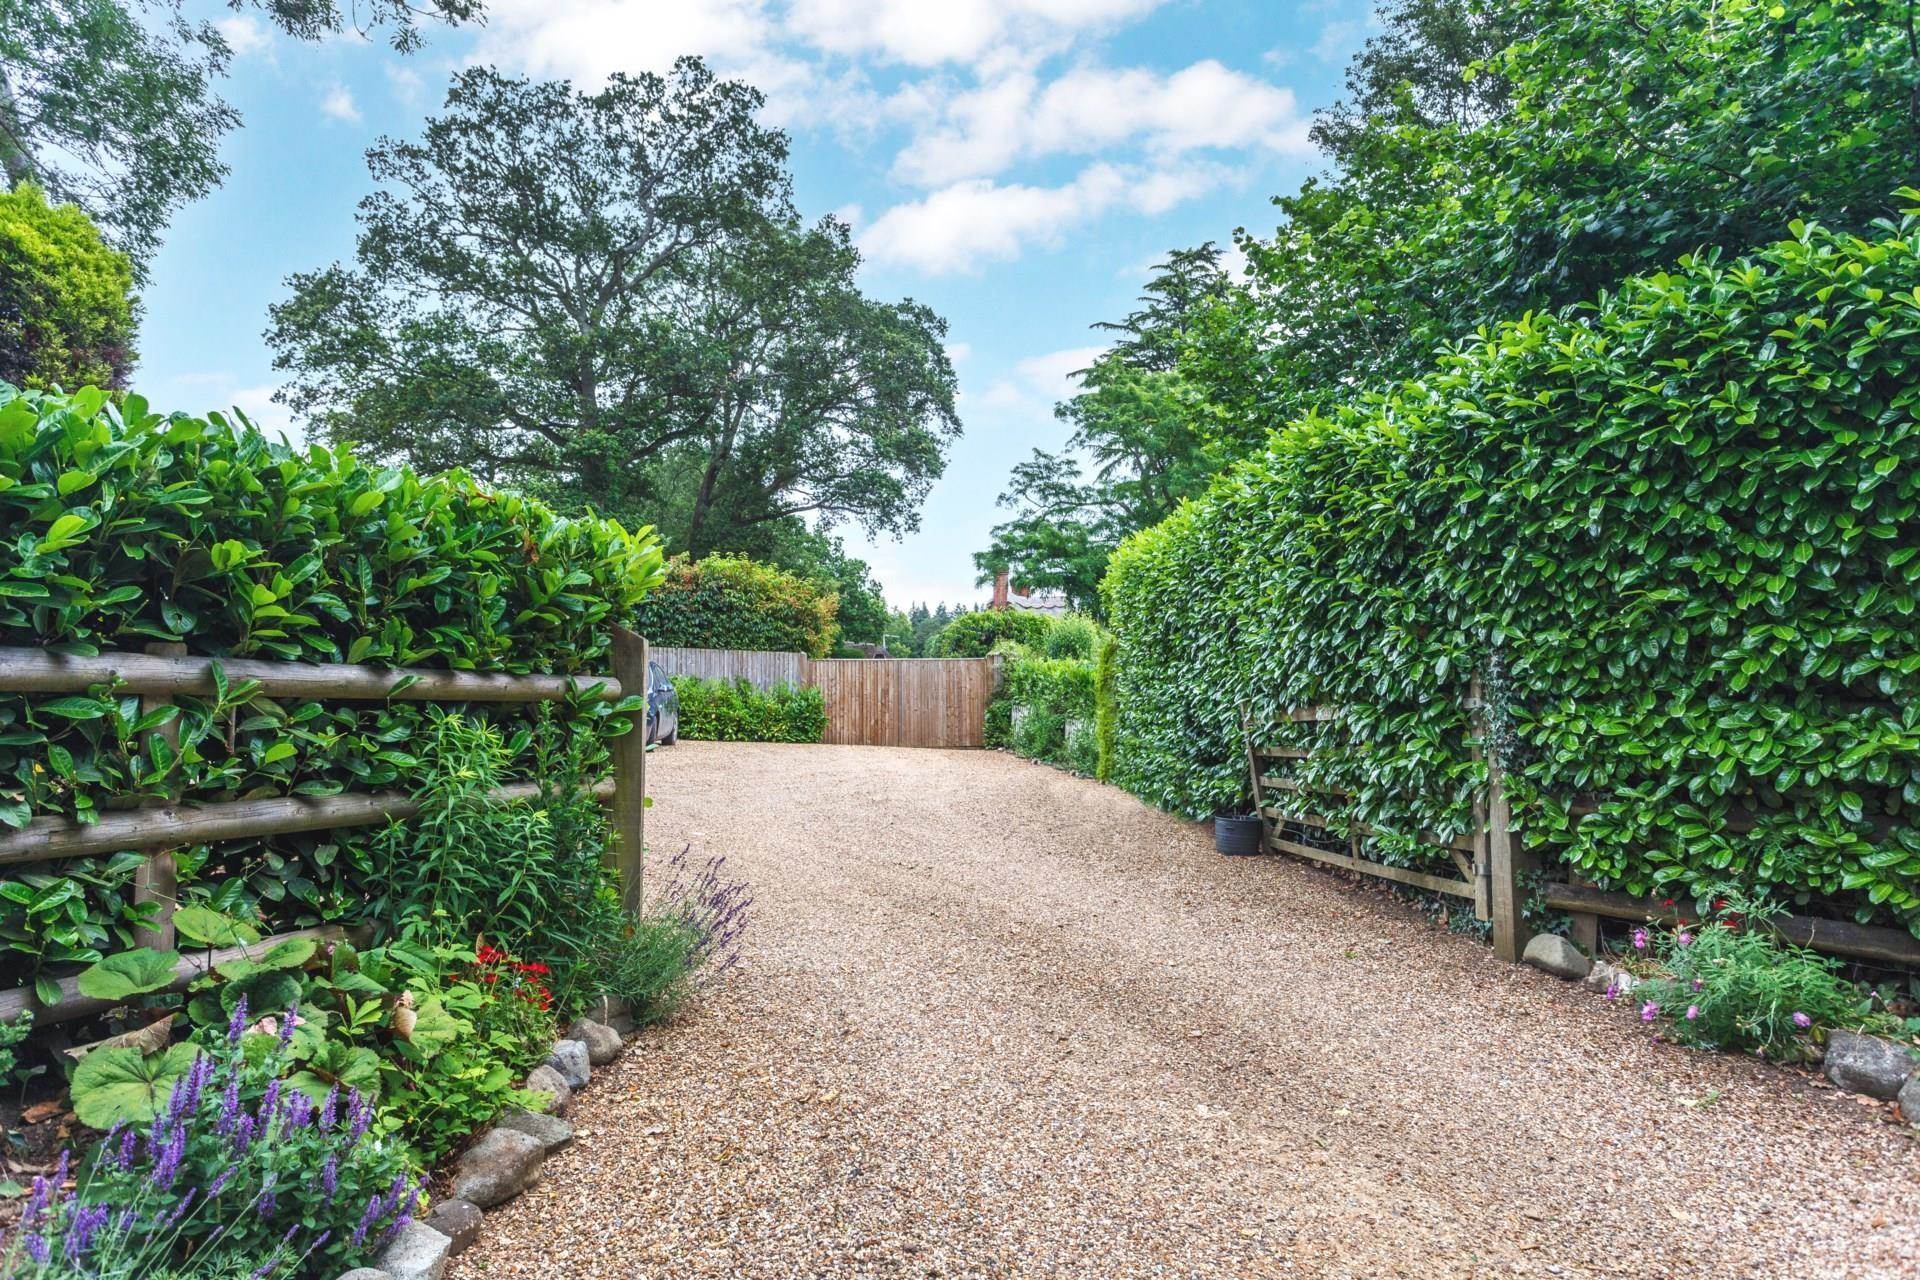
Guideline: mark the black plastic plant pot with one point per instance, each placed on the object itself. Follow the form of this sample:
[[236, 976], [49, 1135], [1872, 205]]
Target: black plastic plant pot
[[1236, 837]]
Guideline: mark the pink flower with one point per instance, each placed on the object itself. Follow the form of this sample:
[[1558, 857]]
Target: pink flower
[[1693, 1011], [1801, 1020], [1684, 938], [1639, 939], [1613, 990], [1698, 983], [1648, 1011]]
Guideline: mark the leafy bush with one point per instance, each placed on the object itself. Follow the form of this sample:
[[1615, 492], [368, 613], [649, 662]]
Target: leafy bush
[[1072, 636], [66, 297], [976, 634], [735, 711], [730, 602], [127, 527], [1054, 693], [1106, 714], [1732, 983], [1676, 531], [236, 1169], [688, 933]]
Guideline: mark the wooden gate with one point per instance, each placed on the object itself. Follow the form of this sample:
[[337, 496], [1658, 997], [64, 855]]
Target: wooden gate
[[906, 702]]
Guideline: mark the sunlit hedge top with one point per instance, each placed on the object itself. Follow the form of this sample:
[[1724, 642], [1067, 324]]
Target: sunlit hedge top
[[126, 527], [1676, 530], [731, 602]]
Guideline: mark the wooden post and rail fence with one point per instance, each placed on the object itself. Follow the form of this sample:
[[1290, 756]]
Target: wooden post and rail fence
[[160, 827], [1493, 865], [871, 702]]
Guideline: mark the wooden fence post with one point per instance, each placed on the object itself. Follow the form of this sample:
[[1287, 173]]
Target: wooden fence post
[[628, 854], [157, 880], [1501, 859]]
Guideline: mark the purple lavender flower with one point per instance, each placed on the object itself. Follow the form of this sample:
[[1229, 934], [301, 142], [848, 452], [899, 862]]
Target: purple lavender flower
[[287, 1024], [237, 1024], [166, 1161], [329, 1178], [268, 1200], [367, 1219], [360, 1114], [299, 1111], [330, 1109], [229, 1108], [269, 1103], [242, 1135]]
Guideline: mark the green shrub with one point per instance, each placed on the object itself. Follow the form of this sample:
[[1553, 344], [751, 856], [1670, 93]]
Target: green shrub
[[67, 312], [1105, 712], [1677, 532], [735, 711], [1732, 983], [1053, 694], [1072, 636], [974, 635], [730, 602], [126, 527]]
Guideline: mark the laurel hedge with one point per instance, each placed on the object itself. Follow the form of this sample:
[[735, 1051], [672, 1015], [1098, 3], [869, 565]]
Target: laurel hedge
[[1674, 532], [731, 602], [126, 527]]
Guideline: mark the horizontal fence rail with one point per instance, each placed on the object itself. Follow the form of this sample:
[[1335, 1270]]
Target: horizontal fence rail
[[161, 827], [37, 671]]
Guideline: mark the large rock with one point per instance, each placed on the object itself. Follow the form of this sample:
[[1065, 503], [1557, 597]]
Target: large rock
[[603, 1042], [365, 1273], [1868, 1064], [498, 1167], [457, 1220], [614, 1013], [417, 1253], [569, 1058], [546, 1080], [1555, 955], [1910, 1099], [552, 1132]]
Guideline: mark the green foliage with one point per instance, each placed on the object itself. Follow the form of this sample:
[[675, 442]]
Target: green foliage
[[1052, 716], [727, 602], [707, 359], [12, 1036], [1503, 156], [122, 1085], [1140, 426], [977, 634], [303, 1191], [1732, 983], [1674, 531], [126, 527], [66, 300], [1106, 711], [650, 964], [735, 711], [1072, 636], [528, 876]]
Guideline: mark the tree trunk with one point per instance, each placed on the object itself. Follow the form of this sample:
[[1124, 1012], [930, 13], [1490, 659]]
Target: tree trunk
[[14, 153], [710, 479]]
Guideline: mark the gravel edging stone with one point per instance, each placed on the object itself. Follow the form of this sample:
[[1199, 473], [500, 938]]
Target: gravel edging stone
[[603, 1042], [551, 1132], [1868, 1064], [570, 1062], [498, 1167], [458, 1220], [417, 1253], [1551, 953]]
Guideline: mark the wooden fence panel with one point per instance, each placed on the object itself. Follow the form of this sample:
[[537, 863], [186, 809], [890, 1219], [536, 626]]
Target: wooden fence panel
[[905, 702], [761, 670]]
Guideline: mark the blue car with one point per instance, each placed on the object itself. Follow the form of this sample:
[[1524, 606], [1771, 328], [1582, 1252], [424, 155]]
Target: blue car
[[663, 708]]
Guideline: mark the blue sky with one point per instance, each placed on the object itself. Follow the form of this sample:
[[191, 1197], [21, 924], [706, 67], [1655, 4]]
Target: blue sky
[[1017, 164]]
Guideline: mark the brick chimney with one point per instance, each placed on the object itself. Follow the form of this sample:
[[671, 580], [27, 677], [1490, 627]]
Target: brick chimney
[[1000, 600]]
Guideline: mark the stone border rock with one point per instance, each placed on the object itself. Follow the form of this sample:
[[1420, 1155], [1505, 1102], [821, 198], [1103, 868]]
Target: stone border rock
[[1858, 1063], [507, 1158]]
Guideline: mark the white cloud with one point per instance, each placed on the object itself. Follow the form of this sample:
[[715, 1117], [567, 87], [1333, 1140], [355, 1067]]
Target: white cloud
[[926, 33], [1206, 106], [245, 35], [962, 227], [408, 85], [339, 104], [1052, 375], [273, 420]]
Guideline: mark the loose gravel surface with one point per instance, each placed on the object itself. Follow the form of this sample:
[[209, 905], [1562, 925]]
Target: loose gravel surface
[[997, 1021]]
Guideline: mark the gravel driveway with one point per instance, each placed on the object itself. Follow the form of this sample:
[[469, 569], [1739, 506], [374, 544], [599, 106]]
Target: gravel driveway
[[998, 1021]]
